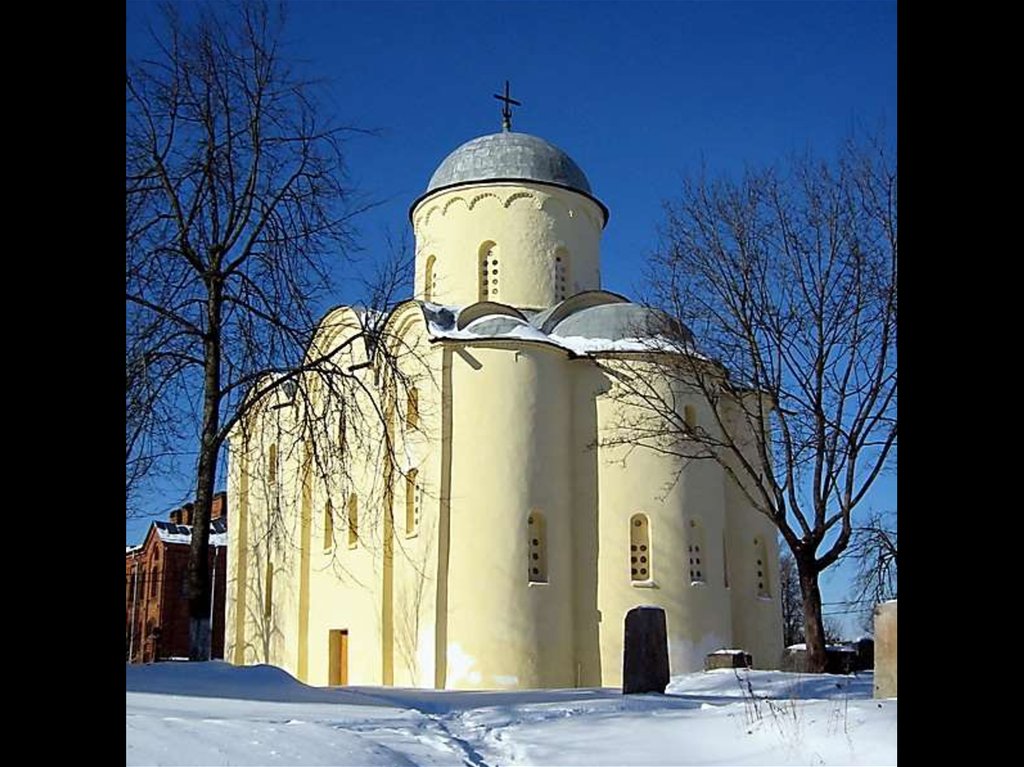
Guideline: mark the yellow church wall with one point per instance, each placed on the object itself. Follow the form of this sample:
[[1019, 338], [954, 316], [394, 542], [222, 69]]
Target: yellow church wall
[[266, 579], [753, 549], [588, 382], [414, 605], [510, 442], [522, 439], [344, 578], [339, 581], [757, 618], [347, 583], [247, 641], [345, 594], [342, 581], [529, 225], [266, 590], [418, 435], [281, 532], [671, 493], [237, 554]]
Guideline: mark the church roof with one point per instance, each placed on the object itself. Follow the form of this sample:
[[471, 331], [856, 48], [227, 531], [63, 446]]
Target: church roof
[[588, 323], [509, 156], [618, 321], [172, 533]]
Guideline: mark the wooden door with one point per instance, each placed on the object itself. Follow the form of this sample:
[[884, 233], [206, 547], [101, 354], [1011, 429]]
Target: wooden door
[[337, 672]]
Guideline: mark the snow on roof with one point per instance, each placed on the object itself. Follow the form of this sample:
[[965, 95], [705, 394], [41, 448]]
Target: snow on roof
[[729, 652], [582, 345], [442, 323], [802, 646], [172, 533], [132, 549]]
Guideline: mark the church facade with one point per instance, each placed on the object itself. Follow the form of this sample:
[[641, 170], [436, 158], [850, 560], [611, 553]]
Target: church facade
[[460, 516]]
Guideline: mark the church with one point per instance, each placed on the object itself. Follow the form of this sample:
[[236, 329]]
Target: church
[[457, 516]]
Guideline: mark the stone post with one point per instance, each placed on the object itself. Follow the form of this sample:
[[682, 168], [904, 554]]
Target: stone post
[[645, 651], [885, 650]]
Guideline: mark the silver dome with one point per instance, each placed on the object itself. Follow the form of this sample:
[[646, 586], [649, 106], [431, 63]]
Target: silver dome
[[509, 156]]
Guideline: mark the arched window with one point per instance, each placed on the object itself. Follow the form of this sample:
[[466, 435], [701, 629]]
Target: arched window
[[412, 511], [640, 560], [152, 586], [561, 274], [690, 417], [488, 271], [328, 525], [761, 553], [696, 551], [536, 529], [429, 280], [412, 408], [353, 521]]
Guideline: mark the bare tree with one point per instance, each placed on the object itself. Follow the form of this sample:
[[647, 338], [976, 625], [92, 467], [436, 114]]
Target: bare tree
[[792, 601], [873, 551], [787, 279], [236, 200]]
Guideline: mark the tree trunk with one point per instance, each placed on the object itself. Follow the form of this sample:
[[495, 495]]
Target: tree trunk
[[200, 640], [814, 630]]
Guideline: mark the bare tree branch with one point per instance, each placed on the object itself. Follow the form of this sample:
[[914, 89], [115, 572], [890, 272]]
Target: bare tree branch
[[236, 200], [787, 278]]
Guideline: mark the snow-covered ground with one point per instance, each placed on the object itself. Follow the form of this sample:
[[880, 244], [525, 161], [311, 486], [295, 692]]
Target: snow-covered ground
[[217, 714]]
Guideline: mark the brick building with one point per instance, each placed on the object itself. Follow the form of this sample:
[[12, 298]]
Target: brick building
[[156, 610]]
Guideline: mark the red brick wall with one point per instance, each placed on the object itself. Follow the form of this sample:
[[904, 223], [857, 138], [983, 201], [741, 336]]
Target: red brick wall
[[165, 607], [174, 620], [220, 507]]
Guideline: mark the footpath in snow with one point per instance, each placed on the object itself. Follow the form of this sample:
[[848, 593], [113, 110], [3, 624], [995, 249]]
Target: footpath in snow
[[218, 714]]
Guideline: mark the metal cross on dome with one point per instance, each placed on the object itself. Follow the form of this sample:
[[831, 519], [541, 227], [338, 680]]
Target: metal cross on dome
[[506, 109]]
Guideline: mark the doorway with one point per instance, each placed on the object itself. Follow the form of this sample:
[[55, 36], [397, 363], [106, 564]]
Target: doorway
[[337, 672]]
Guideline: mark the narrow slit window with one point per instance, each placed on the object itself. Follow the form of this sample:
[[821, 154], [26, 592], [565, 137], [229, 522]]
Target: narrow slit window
[[412, 408], [562, 274], [272, 465], [696, 552], [429, 284], [488, 271], [342, 428], [412, 512], [761, 568], [268, 591], [353, 521], [328, 525], [725, 560], [536, 529], [640, 560]]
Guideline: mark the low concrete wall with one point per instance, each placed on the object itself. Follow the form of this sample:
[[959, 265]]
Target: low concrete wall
[[885, 650], [838, 660], [728, 659]]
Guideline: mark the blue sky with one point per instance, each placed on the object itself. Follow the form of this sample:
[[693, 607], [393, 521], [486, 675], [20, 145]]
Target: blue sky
[[637, 93]]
